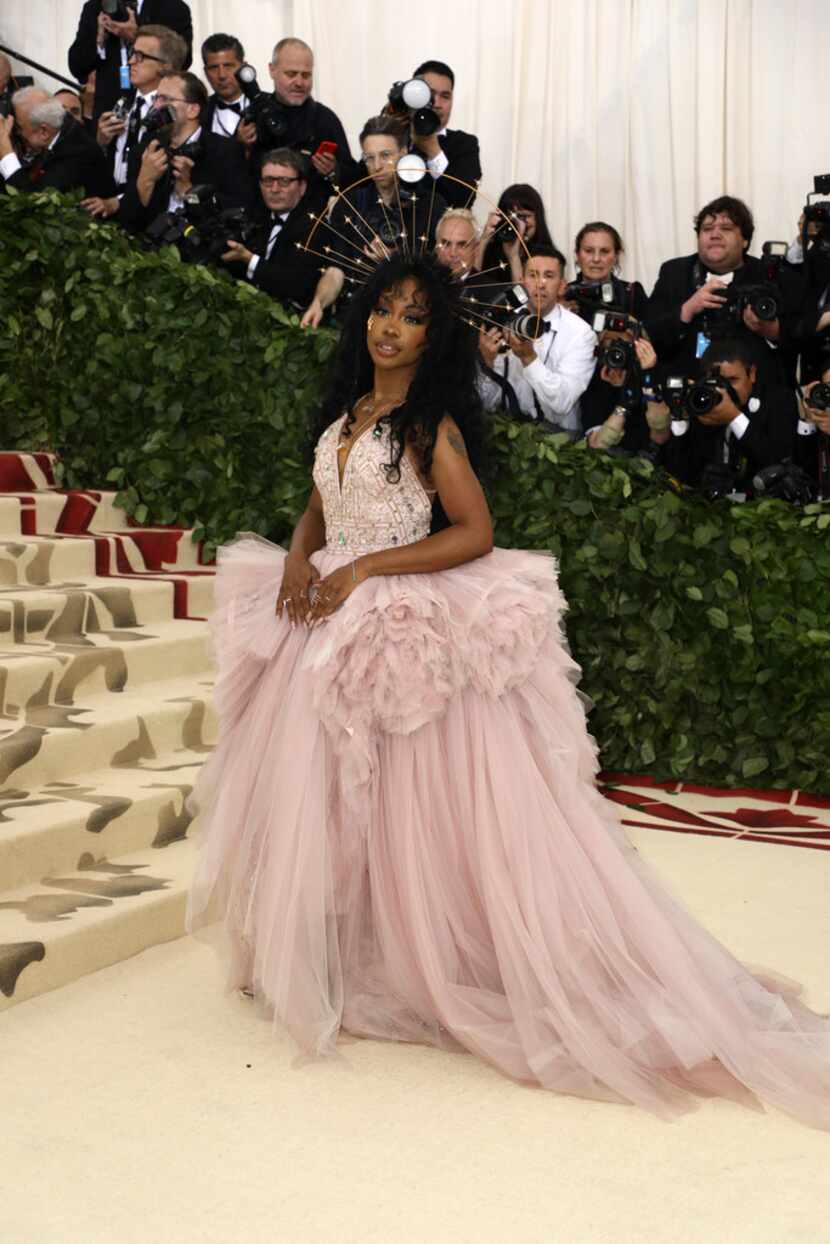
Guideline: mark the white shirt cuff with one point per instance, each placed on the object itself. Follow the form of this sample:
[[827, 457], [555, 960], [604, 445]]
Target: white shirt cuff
[[252, 267], [438, 164], [9, 165], [738, 426], [805, 428]]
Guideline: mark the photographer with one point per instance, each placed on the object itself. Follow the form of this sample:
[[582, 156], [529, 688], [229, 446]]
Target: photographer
[[750, 426], [272, 260], [291, 118], [372, 219], [157, 51], [813, 439], [543, 377], [620, 409], [598, 250], [103, 42], [448, 153], [456, 243], [500, 244], [698, 298], [53, 151], [183, 156], [222, 58]]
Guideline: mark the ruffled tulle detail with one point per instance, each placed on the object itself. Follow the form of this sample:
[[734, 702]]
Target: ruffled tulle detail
[[402, 838]]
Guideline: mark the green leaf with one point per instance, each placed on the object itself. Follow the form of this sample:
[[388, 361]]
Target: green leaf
[[718, 618], [755, 765]]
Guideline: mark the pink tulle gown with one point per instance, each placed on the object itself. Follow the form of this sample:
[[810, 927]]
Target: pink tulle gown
[[402, 837]]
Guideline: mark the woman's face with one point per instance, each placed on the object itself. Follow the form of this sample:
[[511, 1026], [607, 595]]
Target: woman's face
[[396, 332], [381, 153], [597, 255], [528, 218]]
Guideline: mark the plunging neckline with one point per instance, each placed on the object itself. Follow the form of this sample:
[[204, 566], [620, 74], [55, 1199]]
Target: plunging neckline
[[430, 494], [341, 474]]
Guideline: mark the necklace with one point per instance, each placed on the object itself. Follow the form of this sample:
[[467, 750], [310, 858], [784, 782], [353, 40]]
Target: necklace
[[373, 410]]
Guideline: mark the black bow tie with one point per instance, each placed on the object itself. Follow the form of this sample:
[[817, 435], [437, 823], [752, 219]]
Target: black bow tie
[[237, 108]]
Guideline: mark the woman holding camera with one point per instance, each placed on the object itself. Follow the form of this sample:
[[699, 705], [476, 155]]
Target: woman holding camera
[[499, 242], [598, 250], [620, 410]]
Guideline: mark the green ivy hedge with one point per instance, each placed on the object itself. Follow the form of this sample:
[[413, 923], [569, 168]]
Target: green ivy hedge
[[703, 630]]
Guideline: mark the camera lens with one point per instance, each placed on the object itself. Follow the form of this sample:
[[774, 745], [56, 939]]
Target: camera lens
[[702, 398], [820, 397], [616, 356], [765, 307]]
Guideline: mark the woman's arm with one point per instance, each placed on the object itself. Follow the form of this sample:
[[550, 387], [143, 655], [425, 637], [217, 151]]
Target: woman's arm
[[298, 573], [327, 291], [310, 532], [470, 534]]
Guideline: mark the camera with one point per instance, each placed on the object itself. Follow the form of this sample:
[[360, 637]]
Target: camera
[[413, 99], [617, 354], [763, 298], [674, 391], [270, 117], [122, 108], [202, 229], [116, 9], [786, 481], [819, 398], [507, 230], [5, 103], [511, 311], [703, 396], [717, 480], [589, 296]]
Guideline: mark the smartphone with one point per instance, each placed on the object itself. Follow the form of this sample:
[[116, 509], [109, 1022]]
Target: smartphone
[[326, 148]]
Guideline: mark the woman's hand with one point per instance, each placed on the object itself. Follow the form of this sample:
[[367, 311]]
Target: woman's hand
[[294, 595], [645, 352], [330, 593]]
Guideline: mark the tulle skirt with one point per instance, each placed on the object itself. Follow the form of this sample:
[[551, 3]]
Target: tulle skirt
[[402, 838]]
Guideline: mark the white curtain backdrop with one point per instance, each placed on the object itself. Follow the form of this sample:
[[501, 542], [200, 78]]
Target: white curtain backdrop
[[633, 111]]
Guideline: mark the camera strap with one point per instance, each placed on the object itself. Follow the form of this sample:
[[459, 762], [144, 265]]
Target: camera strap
[[509, 401]]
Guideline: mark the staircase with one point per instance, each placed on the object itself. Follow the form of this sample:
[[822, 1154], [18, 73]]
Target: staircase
[[105, 720]]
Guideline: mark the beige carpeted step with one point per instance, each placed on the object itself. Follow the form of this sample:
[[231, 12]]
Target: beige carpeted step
[[55, 743], [105, 721], [47, 829], [79, 921]]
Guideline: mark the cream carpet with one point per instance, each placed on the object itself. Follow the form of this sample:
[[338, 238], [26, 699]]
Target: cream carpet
[[140, 1103]]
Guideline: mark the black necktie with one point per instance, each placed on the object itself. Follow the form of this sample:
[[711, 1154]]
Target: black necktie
[[135, 120]]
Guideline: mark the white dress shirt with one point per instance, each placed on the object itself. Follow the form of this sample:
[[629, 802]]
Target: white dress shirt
[[552, 384], [225, 119]]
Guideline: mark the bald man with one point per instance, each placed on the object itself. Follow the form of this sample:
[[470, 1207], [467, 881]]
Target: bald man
[[54, 152], [294, 119]]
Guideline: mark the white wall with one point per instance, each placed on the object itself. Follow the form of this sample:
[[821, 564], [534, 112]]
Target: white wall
[[636, 111]]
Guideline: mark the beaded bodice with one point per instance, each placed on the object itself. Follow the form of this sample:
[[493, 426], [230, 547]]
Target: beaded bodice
[[368, 512]]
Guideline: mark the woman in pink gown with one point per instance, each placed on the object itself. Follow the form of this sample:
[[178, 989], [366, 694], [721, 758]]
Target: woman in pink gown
[[401, 832]]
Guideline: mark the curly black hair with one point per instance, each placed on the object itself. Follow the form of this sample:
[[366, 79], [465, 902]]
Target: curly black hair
[[445, 382]]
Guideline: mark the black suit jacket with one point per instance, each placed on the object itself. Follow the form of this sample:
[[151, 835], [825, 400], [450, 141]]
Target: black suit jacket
[[305, 128], [222, 165], [83, 54], [76, 162], [289, 273], [770, 438], [464, 163], [675, 342]]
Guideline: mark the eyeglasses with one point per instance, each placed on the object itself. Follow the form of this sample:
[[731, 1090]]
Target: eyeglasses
[[282, 182], [139, 57]]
